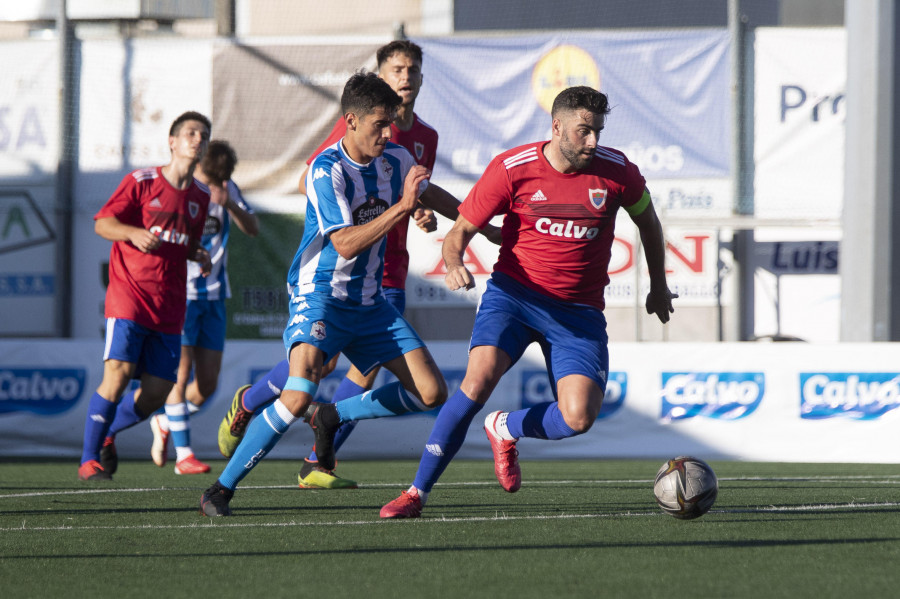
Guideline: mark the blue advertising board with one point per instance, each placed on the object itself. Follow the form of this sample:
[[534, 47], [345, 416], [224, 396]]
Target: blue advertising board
[[669, 93]]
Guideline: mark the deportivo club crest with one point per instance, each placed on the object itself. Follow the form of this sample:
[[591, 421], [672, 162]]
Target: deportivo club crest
[[318, 330], [598, 197], [386, 167]]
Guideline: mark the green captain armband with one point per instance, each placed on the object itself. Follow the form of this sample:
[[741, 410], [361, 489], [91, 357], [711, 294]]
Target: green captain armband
[[640, 205]]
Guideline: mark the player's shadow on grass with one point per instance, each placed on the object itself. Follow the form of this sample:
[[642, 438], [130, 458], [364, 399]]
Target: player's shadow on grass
[[487, 510], [99, 511], [470, 548]]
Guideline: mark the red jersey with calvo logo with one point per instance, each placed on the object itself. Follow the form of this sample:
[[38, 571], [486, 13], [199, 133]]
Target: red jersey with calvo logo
[[151, 288], [558, 228]]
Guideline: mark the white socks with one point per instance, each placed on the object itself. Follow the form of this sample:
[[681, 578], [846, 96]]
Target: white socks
[[423, 496], [501, 429]]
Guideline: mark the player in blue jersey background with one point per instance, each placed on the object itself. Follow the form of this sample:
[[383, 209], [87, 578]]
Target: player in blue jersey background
[[400, 64], [358, 190]]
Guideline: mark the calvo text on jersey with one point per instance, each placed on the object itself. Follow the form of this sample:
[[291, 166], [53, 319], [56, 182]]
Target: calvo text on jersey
[[565, 229], [171, 235]]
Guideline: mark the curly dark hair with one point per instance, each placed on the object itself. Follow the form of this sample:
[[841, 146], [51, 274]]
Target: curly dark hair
[[580, 97], [364, 92]]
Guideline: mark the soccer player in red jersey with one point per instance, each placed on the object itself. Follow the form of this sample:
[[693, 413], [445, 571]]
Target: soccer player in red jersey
[[560, 200], [400, 65], [205, 322], [155, 220]]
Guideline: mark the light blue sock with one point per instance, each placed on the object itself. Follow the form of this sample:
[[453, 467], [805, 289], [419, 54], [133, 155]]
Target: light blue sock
[[127, 415], [389, 400], [446, 438], [267, 389], [179, 424], [346, 389], [262, 435], [543, 421]]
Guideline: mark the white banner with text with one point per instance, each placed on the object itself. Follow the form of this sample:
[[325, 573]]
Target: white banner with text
[[774, 402]]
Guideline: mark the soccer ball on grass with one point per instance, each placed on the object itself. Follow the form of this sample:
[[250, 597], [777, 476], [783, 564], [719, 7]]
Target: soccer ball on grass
[[685, 487]]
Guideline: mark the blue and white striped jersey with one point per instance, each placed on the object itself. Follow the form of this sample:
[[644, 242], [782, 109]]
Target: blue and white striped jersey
[[343, 193], [215, 240]]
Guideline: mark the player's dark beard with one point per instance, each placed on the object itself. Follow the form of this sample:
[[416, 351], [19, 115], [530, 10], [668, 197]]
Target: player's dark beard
[[576, 159]]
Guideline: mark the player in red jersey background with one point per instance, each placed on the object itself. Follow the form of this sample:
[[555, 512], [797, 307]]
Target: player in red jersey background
[[559, 200], [155, 220], [205, 321]]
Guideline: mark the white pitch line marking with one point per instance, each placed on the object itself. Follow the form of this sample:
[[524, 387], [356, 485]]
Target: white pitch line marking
[[891, 479], [216, 523]]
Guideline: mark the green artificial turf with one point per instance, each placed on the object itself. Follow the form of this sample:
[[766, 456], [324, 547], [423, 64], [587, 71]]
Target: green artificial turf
[[576, 529]]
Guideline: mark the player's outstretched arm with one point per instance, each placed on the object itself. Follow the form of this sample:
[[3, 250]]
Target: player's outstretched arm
[[659, 300], [441, 201], [492, 233], [455, 244], [444, 203]]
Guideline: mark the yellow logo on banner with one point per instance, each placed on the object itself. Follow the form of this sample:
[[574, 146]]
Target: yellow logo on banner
[[562, 67]]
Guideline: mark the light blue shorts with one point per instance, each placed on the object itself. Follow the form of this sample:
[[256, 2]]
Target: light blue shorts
[[572, 336], [204, 324], [153, 352], [368, 335]]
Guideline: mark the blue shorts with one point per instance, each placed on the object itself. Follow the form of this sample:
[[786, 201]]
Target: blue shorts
[[572, 336], [204, 324], [396, 297], [153, 352], [368, 335]]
